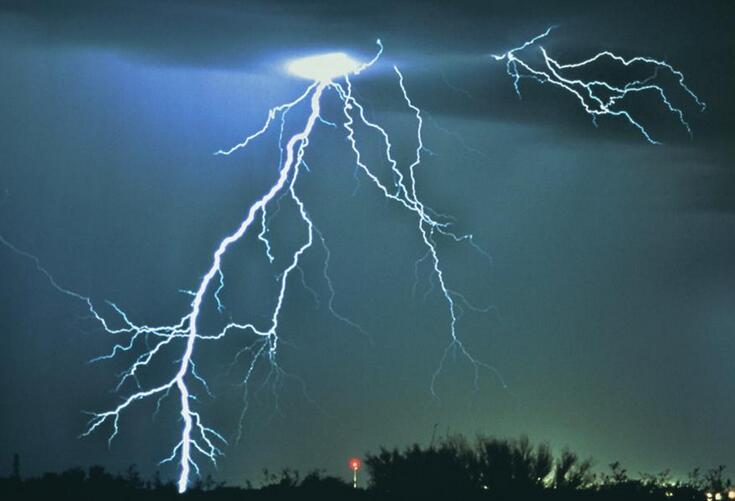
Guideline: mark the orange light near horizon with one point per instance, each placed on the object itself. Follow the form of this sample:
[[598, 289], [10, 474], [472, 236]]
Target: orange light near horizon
[[355, 464]]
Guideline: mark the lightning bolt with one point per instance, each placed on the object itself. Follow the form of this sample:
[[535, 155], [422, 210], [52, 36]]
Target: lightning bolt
[[197, 439], [597, 97]]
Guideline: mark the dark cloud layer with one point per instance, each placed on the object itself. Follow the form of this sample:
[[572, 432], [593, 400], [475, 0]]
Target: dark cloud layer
[[449, 41]]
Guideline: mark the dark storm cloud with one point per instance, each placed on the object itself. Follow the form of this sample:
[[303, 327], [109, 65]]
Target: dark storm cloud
[[710, 189], [446, 43]]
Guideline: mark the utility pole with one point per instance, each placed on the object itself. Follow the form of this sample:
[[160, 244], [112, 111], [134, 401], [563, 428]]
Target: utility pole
[[16, 466], [355, 464]]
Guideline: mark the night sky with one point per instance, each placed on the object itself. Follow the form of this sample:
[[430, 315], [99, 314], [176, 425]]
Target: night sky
[[612, 277]]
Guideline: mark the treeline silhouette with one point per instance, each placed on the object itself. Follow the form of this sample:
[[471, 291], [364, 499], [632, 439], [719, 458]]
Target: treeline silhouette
[[452, 468]]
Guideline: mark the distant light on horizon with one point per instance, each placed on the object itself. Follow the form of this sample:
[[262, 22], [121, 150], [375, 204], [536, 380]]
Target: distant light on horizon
[[355, 463], [323, 67]]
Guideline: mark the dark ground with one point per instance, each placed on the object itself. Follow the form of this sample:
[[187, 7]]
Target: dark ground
[[452, 468]]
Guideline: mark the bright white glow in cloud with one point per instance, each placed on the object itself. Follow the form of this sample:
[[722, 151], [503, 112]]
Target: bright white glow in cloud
[[324, 67]]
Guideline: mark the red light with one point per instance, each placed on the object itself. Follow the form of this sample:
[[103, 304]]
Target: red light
[[355, 464]]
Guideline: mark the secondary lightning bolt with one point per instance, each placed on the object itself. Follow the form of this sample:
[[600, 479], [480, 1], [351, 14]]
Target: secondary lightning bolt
[[196, 437], [597, 97]]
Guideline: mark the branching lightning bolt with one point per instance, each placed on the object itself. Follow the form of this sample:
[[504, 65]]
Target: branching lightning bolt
[[196, 438], [597, 97]]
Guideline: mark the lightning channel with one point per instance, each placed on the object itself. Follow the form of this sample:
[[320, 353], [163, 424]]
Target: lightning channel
[[197, 440], [598, 97]]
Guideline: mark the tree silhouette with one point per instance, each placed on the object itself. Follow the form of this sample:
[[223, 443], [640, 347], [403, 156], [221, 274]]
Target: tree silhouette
[[570, 473], [446, 469], [513, 467], [450, 469]]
